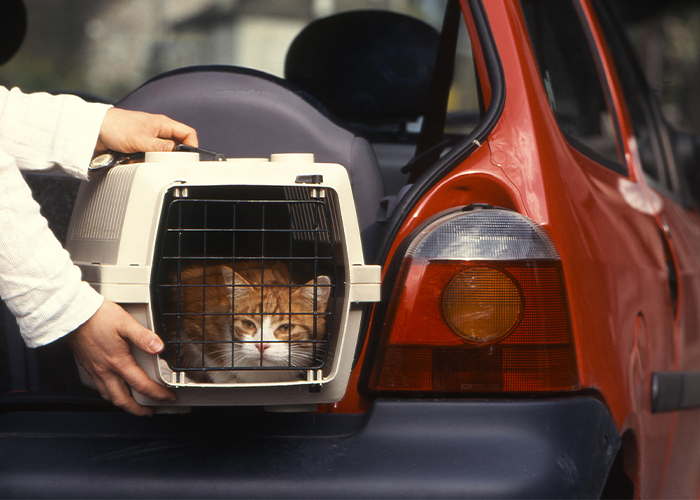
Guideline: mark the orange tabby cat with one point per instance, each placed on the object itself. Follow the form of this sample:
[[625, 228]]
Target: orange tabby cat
[[264, 331]]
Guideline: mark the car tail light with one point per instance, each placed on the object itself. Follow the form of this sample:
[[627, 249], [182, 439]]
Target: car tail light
[[480, 305]]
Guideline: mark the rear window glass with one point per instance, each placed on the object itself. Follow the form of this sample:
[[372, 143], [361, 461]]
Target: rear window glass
[[103, 49], [571, 79]]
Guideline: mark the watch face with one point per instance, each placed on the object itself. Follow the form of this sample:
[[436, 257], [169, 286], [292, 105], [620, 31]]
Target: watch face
[[101, 161]]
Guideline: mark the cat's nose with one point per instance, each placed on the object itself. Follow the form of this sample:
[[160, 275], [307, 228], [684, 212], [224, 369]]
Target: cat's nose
[[262, 346]]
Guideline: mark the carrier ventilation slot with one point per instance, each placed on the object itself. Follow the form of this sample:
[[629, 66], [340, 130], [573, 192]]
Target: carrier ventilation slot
[[303, 214], [101, 207]]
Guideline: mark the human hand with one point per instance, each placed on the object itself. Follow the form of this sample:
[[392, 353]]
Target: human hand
[[100, 346], [135, 131]]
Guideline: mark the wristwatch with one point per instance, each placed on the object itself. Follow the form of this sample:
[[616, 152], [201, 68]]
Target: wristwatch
[[112, 158]]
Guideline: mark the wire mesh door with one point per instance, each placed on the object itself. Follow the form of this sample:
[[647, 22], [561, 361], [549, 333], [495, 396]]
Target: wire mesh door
[[247, 288]]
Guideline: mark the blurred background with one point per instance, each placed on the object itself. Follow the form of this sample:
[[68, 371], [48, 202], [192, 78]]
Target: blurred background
[[666, 35], [109, 47], [105, 48]]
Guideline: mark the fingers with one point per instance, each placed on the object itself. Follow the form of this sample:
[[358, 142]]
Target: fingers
[[180, 132], [100, 346], [139, 381], [149, 342], [114, 389], [169, 133], [162, 145], [114, 386], [117, 392], [142, 337], [134, 131]]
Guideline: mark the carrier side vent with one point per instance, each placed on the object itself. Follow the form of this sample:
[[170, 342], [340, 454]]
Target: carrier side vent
[[101, 207], [303, 215]]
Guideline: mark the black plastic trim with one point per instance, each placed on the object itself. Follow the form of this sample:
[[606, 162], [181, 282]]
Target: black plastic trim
[[672, 391], [554, 448]]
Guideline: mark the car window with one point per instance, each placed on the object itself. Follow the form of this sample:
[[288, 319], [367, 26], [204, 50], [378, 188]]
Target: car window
[[104, 49], [571, 80], [636, 96]]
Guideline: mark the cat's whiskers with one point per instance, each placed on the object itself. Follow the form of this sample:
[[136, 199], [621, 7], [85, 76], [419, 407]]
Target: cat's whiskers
[[221, 355]]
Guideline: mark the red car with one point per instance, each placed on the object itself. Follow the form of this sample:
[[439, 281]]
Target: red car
[[535, 219]]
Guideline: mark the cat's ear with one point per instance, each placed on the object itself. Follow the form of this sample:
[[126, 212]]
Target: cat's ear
[[234, 279], [228, 274], [323, 290]]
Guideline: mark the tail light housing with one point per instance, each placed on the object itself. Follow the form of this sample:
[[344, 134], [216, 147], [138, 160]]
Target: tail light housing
[[479, 306]]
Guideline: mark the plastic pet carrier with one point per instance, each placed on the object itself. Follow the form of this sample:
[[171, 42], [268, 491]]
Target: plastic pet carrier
[[250, 270]]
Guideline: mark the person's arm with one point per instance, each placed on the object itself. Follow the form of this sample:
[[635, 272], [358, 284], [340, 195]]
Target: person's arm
[[43, 132], [43, 289], [100, 343], [38, 281]]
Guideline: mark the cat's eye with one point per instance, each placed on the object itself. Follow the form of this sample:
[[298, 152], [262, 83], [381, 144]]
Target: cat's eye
[[284, 328], [247, 324]]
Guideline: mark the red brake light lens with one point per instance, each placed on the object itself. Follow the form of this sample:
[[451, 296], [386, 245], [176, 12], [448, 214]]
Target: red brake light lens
[[479, 306]]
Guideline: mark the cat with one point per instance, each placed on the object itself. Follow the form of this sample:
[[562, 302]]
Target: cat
[[264, 331]]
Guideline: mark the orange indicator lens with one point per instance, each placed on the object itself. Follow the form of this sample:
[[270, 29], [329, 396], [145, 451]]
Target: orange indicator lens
[[482, 304]]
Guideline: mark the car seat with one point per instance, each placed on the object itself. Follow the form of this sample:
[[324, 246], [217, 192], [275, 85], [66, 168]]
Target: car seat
[[367, 67], [373, 69], [247, 113]]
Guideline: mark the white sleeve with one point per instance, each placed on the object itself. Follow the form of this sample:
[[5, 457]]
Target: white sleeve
[[43, 132], [38, 281]]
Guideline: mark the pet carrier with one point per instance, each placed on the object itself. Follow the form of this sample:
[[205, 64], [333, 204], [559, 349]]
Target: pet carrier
[[250, 270]]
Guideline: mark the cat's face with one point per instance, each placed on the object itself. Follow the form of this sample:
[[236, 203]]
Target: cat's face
[[273, 326]]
